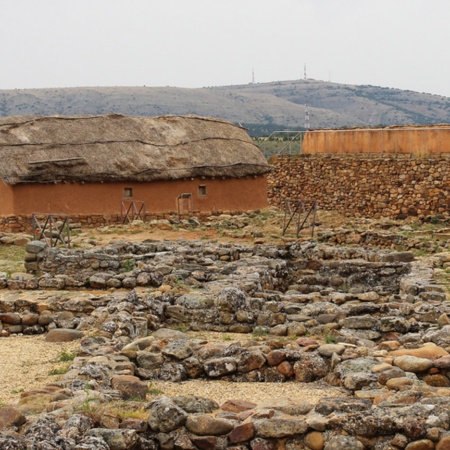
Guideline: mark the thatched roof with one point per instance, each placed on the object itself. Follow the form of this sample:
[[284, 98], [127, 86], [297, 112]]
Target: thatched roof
[[121, 148]]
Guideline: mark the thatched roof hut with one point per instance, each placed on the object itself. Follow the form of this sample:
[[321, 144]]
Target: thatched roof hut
[[120, 148]]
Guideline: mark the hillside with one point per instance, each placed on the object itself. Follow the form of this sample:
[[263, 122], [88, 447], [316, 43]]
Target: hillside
[[262, 107]]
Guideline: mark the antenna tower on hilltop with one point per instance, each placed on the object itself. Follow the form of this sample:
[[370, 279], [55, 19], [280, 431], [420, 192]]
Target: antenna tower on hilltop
[[253, 76], [304, 72], [306, 118]]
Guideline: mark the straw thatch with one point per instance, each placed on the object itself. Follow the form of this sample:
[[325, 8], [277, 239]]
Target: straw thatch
[[121, 148]]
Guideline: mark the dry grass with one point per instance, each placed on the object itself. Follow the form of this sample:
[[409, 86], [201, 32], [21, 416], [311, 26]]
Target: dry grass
[[12, 259]]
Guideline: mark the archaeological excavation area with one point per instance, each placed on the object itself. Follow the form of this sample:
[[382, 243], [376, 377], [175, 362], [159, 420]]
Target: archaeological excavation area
[[368, 327]]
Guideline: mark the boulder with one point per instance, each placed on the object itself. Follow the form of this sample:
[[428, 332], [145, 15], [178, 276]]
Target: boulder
[[63, 335], [11, 417]]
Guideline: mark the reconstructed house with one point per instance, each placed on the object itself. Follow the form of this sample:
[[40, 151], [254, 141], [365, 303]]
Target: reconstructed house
[[83, 165]]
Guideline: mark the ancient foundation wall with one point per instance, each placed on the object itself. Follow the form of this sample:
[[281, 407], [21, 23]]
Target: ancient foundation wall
[[22, 223], [377, 186]]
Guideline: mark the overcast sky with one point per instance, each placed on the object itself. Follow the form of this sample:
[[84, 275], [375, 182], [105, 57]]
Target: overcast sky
[[196, 43]]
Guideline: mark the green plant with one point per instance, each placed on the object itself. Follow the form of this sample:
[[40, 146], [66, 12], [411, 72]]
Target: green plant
[[59, 370], [124, 411], [128, 265], [434, 220], [180, 327], [260, 331], [152, 390], [291, 337], [66, 356], [17, 391], [330, 338], [87, 407]]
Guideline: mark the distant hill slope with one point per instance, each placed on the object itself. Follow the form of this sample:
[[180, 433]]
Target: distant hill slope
[[262, 107]]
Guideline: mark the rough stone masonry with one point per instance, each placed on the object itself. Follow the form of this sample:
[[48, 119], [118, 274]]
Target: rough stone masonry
[[372, 322], [363, 186]]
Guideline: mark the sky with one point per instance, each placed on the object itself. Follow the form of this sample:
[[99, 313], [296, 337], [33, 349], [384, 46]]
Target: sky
[[198, 43]]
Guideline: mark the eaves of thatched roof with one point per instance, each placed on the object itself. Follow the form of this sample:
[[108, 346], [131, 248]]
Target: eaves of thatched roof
[[121, 148]]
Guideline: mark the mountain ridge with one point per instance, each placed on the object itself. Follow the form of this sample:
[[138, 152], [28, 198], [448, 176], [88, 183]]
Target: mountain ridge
[[261, 107]]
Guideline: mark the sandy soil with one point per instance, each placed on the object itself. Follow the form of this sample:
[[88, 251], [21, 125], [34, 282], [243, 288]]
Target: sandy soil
[[25, 363]]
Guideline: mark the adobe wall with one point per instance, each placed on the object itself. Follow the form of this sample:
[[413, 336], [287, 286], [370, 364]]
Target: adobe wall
[[377, 186], [6, 199], [159, 196], [97, 204], [397, 140]]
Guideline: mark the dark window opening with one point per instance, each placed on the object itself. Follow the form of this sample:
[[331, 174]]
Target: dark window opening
[[202, 190], [128, 193]]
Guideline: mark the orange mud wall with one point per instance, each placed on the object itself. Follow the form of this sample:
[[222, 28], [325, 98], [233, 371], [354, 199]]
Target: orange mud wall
[[6, 199], [159, 196], [408, 140]]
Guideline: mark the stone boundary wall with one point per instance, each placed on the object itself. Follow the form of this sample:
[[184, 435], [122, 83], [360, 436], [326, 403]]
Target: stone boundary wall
[[359, 185], [22, 223]]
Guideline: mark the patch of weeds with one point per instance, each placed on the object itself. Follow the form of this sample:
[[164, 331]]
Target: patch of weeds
[[66, 356], [153, 390], [124, 411], [59, 370], [17, 391], [89, 406], [128, 265], [260, 331], [291, 337], [330, 338], [225, 337], [2, 404], [180, 327], [434, 220]]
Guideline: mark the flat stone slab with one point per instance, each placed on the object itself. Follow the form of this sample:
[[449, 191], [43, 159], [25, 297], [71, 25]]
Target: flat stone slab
[[63, 335]]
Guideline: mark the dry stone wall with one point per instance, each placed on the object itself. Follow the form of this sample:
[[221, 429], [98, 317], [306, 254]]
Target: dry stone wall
[[388, 349], [22, 223], [377, 186]]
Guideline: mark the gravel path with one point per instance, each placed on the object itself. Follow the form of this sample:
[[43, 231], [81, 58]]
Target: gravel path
[[221, 391]]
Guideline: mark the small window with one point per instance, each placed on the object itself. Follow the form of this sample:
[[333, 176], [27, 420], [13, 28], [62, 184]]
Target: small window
[[128, 193], [202, 190]]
